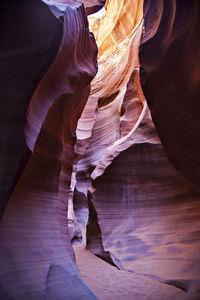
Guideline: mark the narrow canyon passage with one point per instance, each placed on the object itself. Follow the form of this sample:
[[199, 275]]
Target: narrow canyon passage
[[99, 149]]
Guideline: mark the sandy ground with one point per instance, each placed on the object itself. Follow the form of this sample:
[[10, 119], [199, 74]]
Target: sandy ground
[[109, 283]]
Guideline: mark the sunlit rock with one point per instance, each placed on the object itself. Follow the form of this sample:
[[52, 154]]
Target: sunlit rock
[[140, 225], [92, 155]]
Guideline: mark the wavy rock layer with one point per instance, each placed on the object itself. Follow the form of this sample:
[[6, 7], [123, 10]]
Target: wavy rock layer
[[107, 90], [152, 226], [37, 261], [98, 146], [138, 202]]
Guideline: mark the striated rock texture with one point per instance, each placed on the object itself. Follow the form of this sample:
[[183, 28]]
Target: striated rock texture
[[99, 126], [143, 214], [36, 257], [74, 152]]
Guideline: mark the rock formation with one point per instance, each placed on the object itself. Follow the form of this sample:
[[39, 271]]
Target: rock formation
[[137, 200], [174, 47], [37, 261], [121, 151]]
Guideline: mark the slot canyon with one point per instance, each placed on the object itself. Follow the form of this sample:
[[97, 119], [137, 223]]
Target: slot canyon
[[100, 150]]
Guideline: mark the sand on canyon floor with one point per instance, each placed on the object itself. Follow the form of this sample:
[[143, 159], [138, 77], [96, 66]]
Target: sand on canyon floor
[[109, 283]]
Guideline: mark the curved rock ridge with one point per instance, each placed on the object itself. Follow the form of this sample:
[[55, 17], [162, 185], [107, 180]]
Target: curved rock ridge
[[65, 76], [140, 224], [94, 155], [103, 127], [36, 257], [102, 133], [142, 131], [99, 127]]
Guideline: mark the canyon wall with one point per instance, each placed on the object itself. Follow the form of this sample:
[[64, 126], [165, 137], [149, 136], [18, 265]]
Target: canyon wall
[[108, 140]]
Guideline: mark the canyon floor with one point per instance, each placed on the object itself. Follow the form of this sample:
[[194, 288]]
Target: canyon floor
[[109, 283]]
